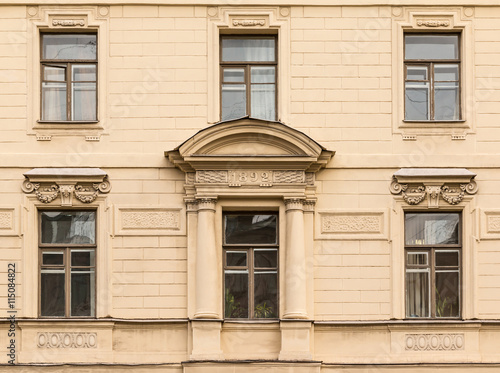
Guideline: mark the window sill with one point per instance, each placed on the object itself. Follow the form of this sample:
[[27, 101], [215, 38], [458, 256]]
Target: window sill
[[252, 321], [67, 125], [434, 124]]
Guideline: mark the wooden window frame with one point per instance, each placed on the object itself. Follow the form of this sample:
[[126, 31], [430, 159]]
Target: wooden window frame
[[66, 249], [68, 65], [249, 249], [430, 79], [431, 250], [247, 65]]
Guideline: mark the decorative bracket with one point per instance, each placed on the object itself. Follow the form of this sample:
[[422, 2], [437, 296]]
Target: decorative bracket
[[416, 184], [49, 183]]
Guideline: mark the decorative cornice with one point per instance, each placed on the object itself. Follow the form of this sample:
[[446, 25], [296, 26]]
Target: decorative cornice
[[48, 184]]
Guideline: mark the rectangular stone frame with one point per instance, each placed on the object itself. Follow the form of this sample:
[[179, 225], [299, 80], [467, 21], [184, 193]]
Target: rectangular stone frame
[[241, 21], [469, 254], [433, 20], [66, 19], [29, 225]]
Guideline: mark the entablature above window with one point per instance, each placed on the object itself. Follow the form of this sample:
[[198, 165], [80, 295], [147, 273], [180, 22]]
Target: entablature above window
[[83, 183], [451, 184], [250, 156]]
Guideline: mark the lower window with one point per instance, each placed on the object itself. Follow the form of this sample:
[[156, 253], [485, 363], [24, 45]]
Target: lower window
[[250, 266], [67, 263], [433, 265]]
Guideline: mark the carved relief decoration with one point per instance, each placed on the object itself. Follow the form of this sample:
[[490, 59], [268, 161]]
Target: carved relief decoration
[[68, 22], [434, 342], [433, 23], [351, 224], [66, 340], [150, 219], [5, 220], [261, 178], [249, 22], [493, 224], [413, 194]]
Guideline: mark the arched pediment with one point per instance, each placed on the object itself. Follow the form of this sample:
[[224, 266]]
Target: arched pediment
[[249, 141]]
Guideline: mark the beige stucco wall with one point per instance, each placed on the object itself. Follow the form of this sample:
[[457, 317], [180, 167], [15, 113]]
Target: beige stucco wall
[[340, 84]]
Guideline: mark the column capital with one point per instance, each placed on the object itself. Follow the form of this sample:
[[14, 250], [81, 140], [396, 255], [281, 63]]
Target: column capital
[[206, 203], [309, 205], [294, 203], [191, 205]]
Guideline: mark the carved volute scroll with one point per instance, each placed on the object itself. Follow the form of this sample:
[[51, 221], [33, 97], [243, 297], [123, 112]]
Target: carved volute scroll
[[85, 184], [450, 185]]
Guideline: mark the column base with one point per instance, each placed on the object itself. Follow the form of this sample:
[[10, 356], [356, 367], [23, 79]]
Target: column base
[[295, 340], [206, 315], [206, 340]]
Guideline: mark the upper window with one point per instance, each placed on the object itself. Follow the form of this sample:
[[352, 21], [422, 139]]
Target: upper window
[[250, 266], [432, 77], [433, 262], [69, 77], [248, 73], [67, 263]]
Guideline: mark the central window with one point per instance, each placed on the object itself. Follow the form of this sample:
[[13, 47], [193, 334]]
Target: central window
[[432, 77], [67, 263], [250, 265], [433, 261], [248, 71], [69, 77]]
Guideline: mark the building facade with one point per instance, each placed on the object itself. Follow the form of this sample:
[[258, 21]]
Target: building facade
[[235, 186]]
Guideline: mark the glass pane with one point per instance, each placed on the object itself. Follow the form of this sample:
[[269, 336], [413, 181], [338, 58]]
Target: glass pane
[[234, 75], [234, 101], [236, 295], [447, 258], [416, 73], [446, 72], [417, 101], [447, 298], [417, 294], [52, 258], [446, 105], [54, 73], [248, 50], [84, 73], [69, 46], [54, 101], [75, 227], [263, 74], [263, 101], [84, 101], [266, 295], [236, 258], [251, 229], [431, 229], [431, 47], [265, 258], [52, 299], [417, 259], [82, 258], [82, 292]]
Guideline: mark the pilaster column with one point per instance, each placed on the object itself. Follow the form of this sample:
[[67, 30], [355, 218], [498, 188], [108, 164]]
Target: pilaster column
[[207, 297], [295, 270]]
